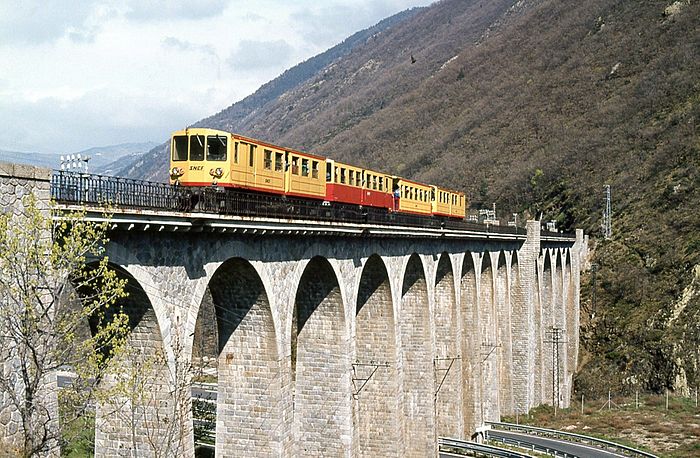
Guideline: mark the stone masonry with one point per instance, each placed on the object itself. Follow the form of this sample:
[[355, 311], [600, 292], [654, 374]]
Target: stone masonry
[[16, 183], [354, 346]]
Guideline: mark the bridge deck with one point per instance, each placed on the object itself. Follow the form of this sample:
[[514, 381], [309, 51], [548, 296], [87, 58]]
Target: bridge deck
[[161, 220]]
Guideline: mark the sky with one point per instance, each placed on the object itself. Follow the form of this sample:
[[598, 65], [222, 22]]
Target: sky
[[77, 74]]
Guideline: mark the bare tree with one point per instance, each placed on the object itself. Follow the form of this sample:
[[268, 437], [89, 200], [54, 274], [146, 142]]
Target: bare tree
[[149, 402], [46, 262]]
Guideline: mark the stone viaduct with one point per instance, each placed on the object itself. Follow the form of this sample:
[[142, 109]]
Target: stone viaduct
[[334, 339]]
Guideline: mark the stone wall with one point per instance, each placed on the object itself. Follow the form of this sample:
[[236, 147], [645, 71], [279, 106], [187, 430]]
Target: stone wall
[[16, 183]]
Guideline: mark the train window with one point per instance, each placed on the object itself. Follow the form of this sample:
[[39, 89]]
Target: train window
[[295, 165], [268, 159], [180, 148], [374, 182], [351, 177], [381, 183], [279, 159], [305, 167], [342, 176], [235, 153], [337, 175], [216, 148], [197, 148], [252, 156], [314, 169]]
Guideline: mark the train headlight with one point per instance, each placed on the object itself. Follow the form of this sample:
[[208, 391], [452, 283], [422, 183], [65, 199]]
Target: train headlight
[[217, 172], [176, 173]]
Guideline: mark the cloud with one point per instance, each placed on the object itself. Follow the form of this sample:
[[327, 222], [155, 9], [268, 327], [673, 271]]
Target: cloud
[[156, 10], [186, 46], [35, 22], [256, 55], [96, 118], [333, 21]]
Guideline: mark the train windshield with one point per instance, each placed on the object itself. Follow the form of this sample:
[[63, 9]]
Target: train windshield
[[216, 148], [197, 148], [180, 148]]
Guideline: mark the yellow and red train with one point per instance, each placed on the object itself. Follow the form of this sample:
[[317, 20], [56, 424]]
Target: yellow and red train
[[209, 157]]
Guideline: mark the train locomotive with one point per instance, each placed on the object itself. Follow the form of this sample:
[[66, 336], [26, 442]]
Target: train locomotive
[[203, 157]]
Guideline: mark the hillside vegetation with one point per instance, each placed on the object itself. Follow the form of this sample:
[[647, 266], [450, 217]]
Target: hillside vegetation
[[536, 105]]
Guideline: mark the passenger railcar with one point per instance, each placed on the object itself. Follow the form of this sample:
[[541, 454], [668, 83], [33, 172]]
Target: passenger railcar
[[210, 157]]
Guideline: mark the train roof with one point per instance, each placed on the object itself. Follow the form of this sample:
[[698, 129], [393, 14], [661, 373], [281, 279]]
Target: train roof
[[207, 130]]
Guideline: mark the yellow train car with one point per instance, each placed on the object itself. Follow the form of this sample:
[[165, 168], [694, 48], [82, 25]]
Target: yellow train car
[[306, 175], [209, 157], [414, 197], [448, 203]]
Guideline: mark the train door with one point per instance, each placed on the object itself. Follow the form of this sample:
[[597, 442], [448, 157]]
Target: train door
[[287, 172], [248, 157], [395, 192], [237, 163]]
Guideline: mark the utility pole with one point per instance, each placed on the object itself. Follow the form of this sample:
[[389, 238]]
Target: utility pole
[[607, 215], [555, 336]]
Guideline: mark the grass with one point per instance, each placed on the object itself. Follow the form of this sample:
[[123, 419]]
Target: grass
[[672, 432]]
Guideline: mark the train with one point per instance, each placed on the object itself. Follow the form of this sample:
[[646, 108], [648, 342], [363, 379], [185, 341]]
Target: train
[[205, 157]]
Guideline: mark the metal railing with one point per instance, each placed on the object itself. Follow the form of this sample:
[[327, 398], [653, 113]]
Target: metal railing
[[447, 444], [572, 437], [88, 189]]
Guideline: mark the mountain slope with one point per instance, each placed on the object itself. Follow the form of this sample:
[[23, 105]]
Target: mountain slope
[[536, 105]]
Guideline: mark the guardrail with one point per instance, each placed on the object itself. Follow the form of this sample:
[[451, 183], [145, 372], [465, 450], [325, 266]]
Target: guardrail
[[88, 189], [446, 444], [573, 437]]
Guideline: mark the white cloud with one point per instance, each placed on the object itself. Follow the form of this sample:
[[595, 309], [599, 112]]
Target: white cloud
[[155, 10], [85, 72], [37, 21]]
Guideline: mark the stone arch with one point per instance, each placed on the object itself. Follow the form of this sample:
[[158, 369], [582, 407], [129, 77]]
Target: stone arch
[[375, 376], [572, 325], [523, 318], [448, 374], [471, 347], [489, 345], [547, 296], [559, 322], [417, 361], [235, 341], [141, 379], [319, 356], [504, 312]]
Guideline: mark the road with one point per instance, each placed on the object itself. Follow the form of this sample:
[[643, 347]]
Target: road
[[570, 448]]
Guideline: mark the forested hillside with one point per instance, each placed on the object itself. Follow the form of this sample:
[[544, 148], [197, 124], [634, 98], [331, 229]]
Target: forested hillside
[[536, 105]]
